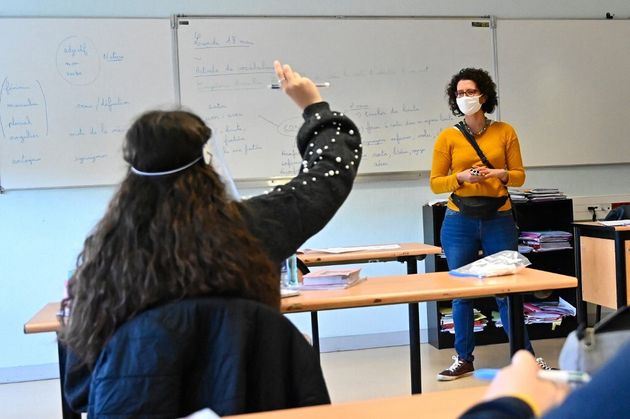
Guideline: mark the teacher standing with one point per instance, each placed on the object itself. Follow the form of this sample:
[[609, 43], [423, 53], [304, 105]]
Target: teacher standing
[[478, 216]]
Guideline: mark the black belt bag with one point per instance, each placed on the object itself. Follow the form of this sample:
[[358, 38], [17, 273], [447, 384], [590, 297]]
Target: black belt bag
[[478, 206]]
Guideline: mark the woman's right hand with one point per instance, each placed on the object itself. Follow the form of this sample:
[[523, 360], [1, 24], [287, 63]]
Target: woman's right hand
[[301, 89], [472, 175], [521, 379]]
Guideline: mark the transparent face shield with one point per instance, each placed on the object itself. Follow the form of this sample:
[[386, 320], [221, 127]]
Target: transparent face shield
[[220, 166]]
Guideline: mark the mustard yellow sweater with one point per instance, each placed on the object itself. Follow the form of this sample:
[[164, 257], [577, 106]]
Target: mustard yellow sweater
[[453, 153]]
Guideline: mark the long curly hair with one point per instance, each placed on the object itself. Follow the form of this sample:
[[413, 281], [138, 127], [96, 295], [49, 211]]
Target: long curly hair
[[163, 238], [484, 83]]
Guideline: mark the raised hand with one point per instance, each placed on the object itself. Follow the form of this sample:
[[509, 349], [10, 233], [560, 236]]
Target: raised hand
[[301, 89]]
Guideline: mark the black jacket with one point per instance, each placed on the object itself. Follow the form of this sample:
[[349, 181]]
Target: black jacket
[[232, 355]]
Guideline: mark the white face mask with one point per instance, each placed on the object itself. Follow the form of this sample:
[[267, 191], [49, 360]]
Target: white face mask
[[468, 105]]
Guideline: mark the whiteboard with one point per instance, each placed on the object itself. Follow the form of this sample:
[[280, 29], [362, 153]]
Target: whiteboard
[[388, 74], [564, 86], [69, 90]]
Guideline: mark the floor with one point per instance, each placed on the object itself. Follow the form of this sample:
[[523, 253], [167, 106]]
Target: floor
[[350, 375]]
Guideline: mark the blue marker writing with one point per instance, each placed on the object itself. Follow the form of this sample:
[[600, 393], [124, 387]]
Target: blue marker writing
[[278, 86]]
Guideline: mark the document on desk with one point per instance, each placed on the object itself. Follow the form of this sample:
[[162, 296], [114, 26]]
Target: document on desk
[[352, 249], [615, 223]]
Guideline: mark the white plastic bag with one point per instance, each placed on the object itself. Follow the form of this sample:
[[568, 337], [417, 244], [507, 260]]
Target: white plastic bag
[[506, 262]]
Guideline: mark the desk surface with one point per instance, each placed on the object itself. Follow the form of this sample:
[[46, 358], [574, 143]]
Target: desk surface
[[45, 320], [439, 404], [384, 290], [405, 250], [424, 287], [596, 224]]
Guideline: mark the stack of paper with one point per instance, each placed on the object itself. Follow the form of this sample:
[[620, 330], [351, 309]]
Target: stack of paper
[[351, 249], [535, 194], [446, 320], [542, 312], [543, 241], [615, 223]]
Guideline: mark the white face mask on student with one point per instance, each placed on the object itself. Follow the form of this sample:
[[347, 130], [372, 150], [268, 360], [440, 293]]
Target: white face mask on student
[[469, 105]]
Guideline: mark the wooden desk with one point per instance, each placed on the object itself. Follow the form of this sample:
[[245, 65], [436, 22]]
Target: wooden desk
[[439, 404], [602, 266], [434, 287], [408, 253], [46, 320], [397, 290]]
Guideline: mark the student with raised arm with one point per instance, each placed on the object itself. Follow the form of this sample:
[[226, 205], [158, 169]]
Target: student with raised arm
[[171, 232]]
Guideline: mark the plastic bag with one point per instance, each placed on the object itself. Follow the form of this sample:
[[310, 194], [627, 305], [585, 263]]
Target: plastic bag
[[506, 262]]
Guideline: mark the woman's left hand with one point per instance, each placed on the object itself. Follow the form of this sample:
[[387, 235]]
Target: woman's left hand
[[500, 174]]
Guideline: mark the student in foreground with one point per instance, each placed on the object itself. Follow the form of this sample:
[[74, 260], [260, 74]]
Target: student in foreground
[[172, 240], [517, 392]]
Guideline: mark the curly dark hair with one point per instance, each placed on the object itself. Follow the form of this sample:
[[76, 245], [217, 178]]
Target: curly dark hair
[[163, 238], [484, 84]]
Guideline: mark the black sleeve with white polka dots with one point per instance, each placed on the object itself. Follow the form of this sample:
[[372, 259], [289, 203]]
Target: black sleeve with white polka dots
[[285, 217]]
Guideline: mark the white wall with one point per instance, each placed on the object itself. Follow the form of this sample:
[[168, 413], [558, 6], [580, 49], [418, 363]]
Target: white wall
[[498, 8], [41, 231]]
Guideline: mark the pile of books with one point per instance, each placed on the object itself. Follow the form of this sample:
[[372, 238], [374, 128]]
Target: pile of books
[[535, 194], [544, 241], [446, 320], [326, 279], [542, 312]]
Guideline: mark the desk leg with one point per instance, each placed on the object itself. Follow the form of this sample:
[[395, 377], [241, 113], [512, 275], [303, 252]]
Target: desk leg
[[581, 308], [411, 262], [414, 335], [315, 332], [414, 349], [620, 270], [66, 412], [517, 322]]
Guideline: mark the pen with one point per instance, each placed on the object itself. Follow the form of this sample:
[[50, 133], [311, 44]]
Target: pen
[[557, 376], [277, 85]]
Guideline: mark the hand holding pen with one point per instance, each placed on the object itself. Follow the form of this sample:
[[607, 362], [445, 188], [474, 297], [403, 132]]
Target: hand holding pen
[[571, 378], [521, 379], [301, 89]]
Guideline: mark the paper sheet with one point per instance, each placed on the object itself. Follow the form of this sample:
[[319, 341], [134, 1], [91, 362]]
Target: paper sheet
[[352, 249]]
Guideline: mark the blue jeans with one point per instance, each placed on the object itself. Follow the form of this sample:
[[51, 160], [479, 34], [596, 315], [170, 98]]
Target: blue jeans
[[462, 237]]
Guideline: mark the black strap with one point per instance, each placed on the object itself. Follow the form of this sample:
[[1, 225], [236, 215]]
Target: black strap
[[460, 126]]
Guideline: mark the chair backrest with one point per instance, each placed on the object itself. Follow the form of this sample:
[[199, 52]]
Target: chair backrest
[[622, 212], [229, 354]]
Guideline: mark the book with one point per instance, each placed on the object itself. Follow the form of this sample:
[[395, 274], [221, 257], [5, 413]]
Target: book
[[331, 277], [338, 286]]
